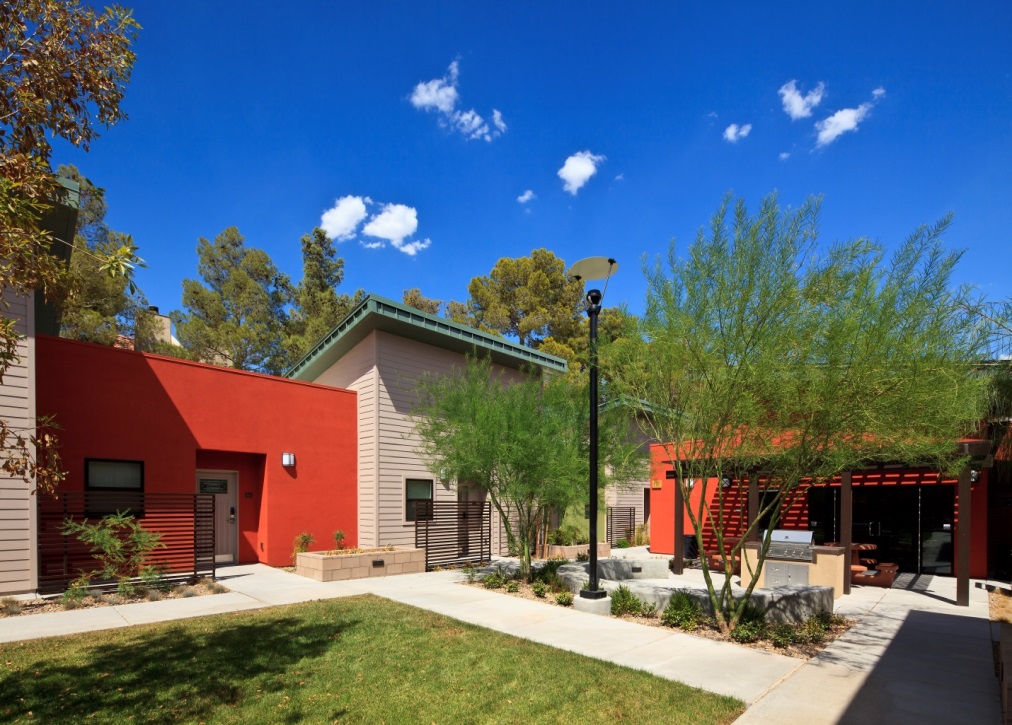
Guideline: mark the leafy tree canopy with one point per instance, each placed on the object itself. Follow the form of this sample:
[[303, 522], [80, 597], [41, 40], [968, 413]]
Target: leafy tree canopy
[[529, 298], [763, 354], [414, 298], [236, 315], [318, 304]]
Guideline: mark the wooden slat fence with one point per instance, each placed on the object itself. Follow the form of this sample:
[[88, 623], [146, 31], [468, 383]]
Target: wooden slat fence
[[454, 532], [620, 524], [184, 521]]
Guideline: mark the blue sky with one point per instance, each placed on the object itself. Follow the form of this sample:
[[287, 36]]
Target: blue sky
[[264, 115]]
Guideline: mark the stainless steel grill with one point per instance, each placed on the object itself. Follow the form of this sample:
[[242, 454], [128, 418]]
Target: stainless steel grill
[[790, 546]]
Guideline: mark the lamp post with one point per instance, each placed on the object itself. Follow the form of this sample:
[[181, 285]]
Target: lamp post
[[589, 270]]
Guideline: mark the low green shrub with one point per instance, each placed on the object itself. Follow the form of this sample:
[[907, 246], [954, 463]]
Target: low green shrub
[[153, 595], [549, 575], [583, 556], [623, 601], [471, 572], [539, 588], [568, 535], [622, 544], [513, 586], [747, 632], [302, 543], [212, 586], [682, 611], [782, 635], [564, 599], [339, 539], [186, 592], [495, 580]]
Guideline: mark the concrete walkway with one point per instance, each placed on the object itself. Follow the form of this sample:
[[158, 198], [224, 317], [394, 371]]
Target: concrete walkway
[[914, 656]]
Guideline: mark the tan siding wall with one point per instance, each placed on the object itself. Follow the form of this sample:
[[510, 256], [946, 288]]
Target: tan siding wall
[[17, 509], [357, 371], [401, 362]]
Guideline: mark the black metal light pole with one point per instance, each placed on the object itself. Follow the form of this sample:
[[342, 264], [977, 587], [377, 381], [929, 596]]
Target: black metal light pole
[[593, 309], [593, 268]]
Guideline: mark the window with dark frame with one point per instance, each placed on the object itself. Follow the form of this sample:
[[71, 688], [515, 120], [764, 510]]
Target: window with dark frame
[[417, 492], [114, 485]]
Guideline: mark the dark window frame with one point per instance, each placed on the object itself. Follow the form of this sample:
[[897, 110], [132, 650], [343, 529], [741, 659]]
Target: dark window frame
[[130, 500], [409, 509]]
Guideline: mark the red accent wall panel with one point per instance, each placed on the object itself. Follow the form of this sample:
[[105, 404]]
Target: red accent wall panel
[[179, 416]]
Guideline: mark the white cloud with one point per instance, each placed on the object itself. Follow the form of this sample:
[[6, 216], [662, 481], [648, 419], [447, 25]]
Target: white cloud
[[620, 177], [797, 106], [441, 95], [373, 245], [784, 155], [526, 196], [393, 223], [412, 248], [501, 124], [578, 169], [342, 219], [735, 133], [844, 120], [878, 93]]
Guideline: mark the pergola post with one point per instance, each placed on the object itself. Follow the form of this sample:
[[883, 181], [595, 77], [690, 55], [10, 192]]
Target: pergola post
[[846, 525], [753, 507], [963, 539], [679, 548]]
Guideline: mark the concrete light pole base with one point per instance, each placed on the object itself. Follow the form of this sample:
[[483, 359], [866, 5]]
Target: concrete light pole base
[[592, 606]]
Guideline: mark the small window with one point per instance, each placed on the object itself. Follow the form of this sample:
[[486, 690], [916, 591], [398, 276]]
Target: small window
[[112, 486], [418, 492], [103, 475]]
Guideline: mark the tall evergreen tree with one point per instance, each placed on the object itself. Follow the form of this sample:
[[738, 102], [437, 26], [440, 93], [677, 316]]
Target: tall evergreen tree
[[236, 316], [414, 298], [318, 304]]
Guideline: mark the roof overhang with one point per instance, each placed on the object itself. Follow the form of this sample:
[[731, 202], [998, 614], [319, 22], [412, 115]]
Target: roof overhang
[[380, 314]]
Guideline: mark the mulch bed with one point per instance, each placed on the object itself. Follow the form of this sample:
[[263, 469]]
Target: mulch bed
[[801, 651], [11, 607]]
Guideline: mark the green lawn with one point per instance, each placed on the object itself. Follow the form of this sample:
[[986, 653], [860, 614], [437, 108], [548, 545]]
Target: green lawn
[[362, 659]]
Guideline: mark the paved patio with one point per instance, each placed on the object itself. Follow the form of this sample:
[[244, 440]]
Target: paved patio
[[913, 657]]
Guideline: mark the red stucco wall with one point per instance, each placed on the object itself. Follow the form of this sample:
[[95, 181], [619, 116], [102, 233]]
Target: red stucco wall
[[179, 416]]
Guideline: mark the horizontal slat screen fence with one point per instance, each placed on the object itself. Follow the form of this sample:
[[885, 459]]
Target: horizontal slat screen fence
[[184, 522]]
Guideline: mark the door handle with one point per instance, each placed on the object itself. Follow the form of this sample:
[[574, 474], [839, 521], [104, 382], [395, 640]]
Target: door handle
[[231, 515]]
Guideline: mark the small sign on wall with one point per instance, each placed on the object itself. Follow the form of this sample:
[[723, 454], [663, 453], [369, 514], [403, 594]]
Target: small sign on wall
[[214, 485], [656, 483]]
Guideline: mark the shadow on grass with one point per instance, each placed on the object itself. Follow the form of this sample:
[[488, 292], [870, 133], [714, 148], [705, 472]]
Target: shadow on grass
[[169, 673]]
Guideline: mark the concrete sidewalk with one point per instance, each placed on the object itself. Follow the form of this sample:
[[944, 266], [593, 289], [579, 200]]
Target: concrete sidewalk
[[913, 657]]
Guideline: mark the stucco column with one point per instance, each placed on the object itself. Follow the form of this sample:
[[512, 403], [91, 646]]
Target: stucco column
[[964, 508], [846, 525]]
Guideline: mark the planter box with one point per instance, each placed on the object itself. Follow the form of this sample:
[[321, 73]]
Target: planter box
[[327, 567], [570, 552]]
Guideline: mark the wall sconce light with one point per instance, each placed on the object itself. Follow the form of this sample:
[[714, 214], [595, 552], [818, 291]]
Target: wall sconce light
[[692, 483], [725, 482], [974, 475], [287, 460]]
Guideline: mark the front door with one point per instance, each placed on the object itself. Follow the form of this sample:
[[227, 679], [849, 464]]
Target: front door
[[224, 485]]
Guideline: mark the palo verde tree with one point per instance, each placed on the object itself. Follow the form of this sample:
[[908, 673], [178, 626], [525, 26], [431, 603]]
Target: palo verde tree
[[522, 440], [63, 71], [764, 355]]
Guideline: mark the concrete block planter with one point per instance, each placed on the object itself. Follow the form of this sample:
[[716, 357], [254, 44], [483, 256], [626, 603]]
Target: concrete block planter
[[328, 566], [571, 552]]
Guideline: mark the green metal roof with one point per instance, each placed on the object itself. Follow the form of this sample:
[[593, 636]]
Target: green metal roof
[[379, 313]]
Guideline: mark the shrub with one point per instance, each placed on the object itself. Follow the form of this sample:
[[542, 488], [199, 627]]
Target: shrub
[[746, 632], [623, 601], [302, 543], [513, 586], [495, 580], [622, 544], [339, 539], [641, 535], [212, 586], [9, 606], [583, 556], [682, 611], [564, 599], [154, 595], [471, 572], [539, 589], [120, 544], [782, 635], [549, 575]]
